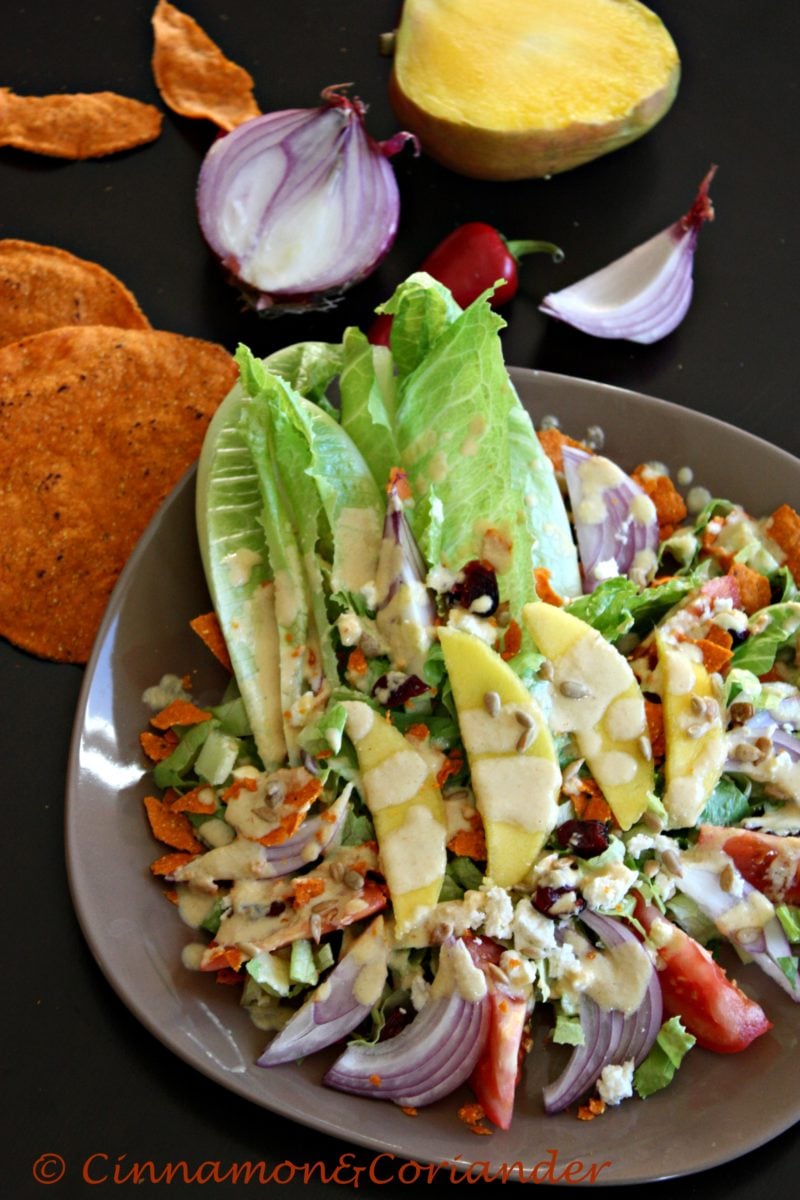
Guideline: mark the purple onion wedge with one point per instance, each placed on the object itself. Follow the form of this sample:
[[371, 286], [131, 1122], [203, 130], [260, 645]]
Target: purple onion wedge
[[338, 1005], [609, 1036], [405, 608], [428, 1059], [615, 521]]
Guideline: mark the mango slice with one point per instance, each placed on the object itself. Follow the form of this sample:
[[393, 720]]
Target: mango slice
[[407, 811], [597, 698], [693, 734], [513, 763], [519, 89]]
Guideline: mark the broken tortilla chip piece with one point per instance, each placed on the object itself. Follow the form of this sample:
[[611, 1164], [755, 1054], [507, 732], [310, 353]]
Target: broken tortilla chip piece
[[194, 77], [97, 425], [209, 630], [42, 287], [77, 125]]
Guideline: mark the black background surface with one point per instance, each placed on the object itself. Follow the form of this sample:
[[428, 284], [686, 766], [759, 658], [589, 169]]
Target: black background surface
[[81, 1075]]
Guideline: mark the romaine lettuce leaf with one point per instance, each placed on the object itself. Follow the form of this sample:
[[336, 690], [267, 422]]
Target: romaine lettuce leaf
[[770, 630], [367, 396], [672, 1043]]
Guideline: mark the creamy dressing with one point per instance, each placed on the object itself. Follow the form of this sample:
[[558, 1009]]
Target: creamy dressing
[[396, 780], [485, 734], [413, 854], [457, 975], [357, 538], [606, 677], [239, 565], [624, 719], [518, 789]]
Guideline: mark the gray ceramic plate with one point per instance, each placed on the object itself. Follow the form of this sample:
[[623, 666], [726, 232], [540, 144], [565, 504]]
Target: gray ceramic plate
[[716, 1108]]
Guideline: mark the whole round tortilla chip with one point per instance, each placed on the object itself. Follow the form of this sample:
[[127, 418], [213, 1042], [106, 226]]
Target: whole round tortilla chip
[[42, 287], [96, 427], [76, 125], [193, 75]]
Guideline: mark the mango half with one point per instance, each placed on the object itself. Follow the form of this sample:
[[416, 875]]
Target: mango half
[[519, 89]]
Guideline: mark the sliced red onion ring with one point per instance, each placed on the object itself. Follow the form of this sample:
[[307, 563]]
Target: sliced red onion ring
[[615, 522], [337, 1006], [428, 1059], [644, 295], [703, 885], [609, 1036], [299, 205]]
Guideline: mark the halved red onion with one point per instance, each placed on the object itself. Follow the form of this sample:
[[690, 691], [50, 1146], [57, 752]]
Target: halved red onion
[[615, 521], [338, 1005], [298, 205], [644, 295], [427, 1059], [609, 1036], [766, 945]]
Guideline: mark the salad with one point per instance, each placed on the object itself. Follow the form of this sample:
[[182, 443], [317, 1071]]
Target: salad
[[511, 735]]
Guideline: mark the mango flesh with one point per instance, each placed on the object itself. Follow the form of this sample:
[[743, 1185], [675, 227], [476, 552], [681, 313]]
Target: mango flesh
[[407, 810], [519, 89], [515, 777], [694, 740], [597, 698]]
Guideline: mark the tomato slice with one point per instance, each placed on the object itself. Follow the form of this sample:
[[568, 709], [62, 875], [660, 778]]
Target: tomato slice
[[497, 1072], [696, 988], [767, 861]]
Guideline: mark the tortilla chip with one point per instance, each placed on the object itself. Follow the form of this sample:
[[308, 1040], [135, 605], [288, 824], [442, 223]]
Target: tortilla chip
[[209, 630], [78, 125], [179, 712], [194, 77], [97, 425], [42, 287], [172, 828]]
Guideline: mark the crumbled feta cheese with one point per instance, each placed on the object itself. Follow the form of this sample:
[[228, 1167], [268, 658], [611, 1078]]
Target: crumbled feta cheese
[[606, 569], [419, 988], [521, 971], [439, 579], [639, 844], [499, 913], [350, 628], [554, 870], [534, 933], [616, 1082], [606, 889], [460, 618], [564, 965]]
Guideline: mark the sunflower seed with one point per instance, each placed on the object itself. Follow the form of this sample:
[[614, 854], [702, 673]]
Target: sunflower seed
[[492, 703], [573, 689], [673, 864]]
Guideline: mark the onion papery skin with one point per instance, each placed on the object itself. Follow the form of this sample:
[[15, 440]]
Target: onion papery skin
[[619, 537], [609, 1036], [321, 1022], [299, 205], [427, 1060], [645, 294]]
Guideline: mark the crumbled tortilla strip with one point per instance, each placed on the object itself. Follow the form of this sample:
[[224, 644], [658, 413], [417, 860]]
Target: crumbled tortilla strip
[[473, 1117], [76, 126], [398, 482], [306, 888], [544, 589], [357, 662], [172, 896], [245, 783], [157, 748], [198, 800], [512, 641], [172, 828], [97, 425], [469, 843], [654, 716], [179, 712], [589, 802], [595, 1108], [784, 528], [754, 590], [715, 656], [194, 77], [553, 442], [292, 812], [42, 287], [209, 630], [454, 761], [168, 864], [667, 500], [218, 958]]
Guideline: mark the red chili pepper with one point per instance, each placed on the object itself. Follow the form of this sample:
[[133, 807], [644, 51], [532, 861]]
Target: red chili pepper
[[469, 260]]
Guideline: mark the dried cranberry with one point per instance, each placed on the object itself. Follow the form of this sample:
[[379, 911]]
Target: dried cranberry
[[396, 1021], [475, 589], [276, 908], [394, 694], [584, 838], [546, 899]]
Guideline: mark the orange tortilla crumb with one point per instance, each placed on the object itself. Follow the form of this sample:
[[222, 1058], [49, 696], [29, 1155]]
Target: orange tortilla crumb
[[667, 500], [595, 1108], [553, 442], [172, 828], [157, 748], [168, 864], [512, 641], [179, 712], [209, 630], [544, 589], [784, 528], [754, 590]]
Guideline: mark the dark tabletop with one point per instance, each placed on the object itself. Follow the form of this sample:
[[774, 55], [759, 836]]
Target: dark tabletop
[[82, 1076]]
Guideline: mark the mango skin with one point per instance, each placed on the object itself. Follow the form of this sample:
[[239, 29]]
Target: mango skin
[[479, 151]]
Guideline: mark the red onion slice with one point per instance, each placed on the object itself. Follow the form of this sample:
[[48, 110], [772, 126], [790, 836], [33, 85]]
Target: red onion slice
[[609, 1036], [311, 840], [428, 1059], [336, 1007], [299, 204], [615, 521], [644, 295]]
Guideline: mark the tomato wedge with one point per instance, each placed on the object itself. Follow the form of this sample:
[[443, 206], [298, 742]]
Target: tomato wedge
[[497, 1072], [767, 861], [696, 989]]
